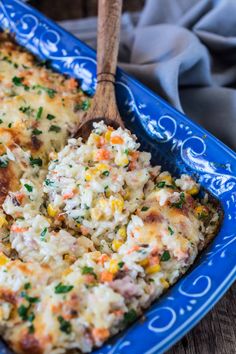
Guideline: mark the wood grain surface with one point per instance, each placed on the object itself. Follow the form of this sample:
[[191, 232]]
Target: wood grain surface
[[216, 333]]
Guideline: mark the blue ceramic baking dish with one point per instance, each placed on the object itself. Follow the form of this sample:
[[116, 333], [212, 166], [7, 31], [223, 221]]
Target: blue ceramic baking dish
[[175, 142]]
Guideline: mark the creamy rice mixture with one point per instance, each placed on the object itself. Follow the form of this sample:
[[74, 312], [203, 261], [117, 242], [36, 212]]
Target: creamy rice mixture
[[89, 240]]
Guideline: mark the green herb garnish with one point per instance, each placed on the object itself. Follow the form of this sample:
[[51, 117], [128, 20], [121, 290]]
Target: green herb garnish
[[130, 316], [181, 201], [28, 187], [144, 208], [50, 116], [88, 270], [63, 289], [83, 105], [54, 128], [120, 264], [170, 230], [43, 234], [165, 256], [36, 161], [106, 173], [27, 286], [39, 113], [48, 182], [161, 184], [18, 81], [27, 110], [36, 131], [65, 326], [3, 161], [22, 312]]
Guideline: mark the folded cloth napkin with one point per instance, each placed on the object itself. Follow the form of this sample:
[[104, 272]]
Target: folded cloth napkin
[[185, 50]]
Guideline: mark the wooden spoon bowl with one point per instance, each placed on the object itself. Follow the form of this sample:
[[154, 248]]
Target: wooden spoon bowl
[[104, 105]]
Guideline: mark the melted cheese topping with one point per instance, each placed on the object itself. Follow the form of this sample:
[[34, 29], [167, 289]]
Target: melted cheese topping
[[91, 240]]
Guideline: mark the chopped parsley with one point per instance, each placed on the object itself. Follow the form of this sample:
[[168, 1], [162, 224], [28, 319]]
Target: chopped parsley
[[120, 264], [63, 289], [51, 92], [106, 173], [27, 110], [18, 81], [1, 121], [181, 201], [39, 113], [50, 116], [144, 208], [165, 256], [48, 182], [27, 286], [28, 187], [22, 312], [65, 326], [161, 184], [54, 128], [43, 234], [83, 105], [36, 131], [88, 270], [130, 316], [3, 161], [36, 161], [9, 125], [171, 231], [31, 329]]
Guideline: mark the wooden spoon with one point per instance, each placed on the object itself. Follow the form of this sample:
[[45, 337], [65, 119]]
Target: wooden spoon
[[104, 105]]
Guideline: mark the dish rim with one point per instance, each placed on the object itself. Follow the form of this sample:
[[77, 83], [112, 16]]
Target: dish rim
[[223, 285]]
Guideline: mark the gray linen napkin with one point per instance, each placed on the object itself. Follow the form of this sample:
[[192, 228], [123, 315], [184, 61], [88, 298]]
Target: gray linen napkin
[[185, 50]]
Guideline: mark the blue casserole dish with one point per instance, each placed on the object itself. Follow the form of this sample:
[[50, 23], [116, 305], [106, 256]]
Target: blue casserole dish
[[176, 143]]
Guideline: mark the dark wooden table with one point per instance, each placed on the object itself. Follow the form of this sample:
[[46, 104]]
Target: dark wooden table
[[216, 333]]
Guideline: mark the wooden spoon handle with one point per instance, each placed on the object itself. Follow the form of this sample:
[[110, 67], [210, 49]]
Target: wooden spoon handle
[[109, 14], [104, 102]]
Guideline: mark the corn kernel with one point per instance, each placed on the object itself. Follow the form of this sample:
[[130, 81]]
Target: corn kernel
[[102, 167], [113, 267], [88, 177], [127, 194], [103, 203], [153, 269], [3, 259], [78, 224], [116, 244], [117, 205], [166, 178], [51, 211], [122, 232], [108, 135], [121, 160], [165, 283], [96, 213], [193, 191], [144, 262], [201, 211], [3, 221]]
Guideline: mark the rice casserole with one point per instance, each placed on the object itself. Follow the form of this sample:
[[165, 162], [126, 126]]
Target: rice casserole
[[91, 233]]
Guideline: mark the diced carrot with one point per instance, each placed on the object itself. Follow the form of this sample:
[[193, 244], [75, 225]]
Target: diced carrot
[[68, 195], [133, 249], [118, 313], [84, 230], [106, 276], [101, 141], [100, 334], [16, 228], [72, 83], [104, 258], [117, 140], [102, 154], [20, 197], [134, 155]]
